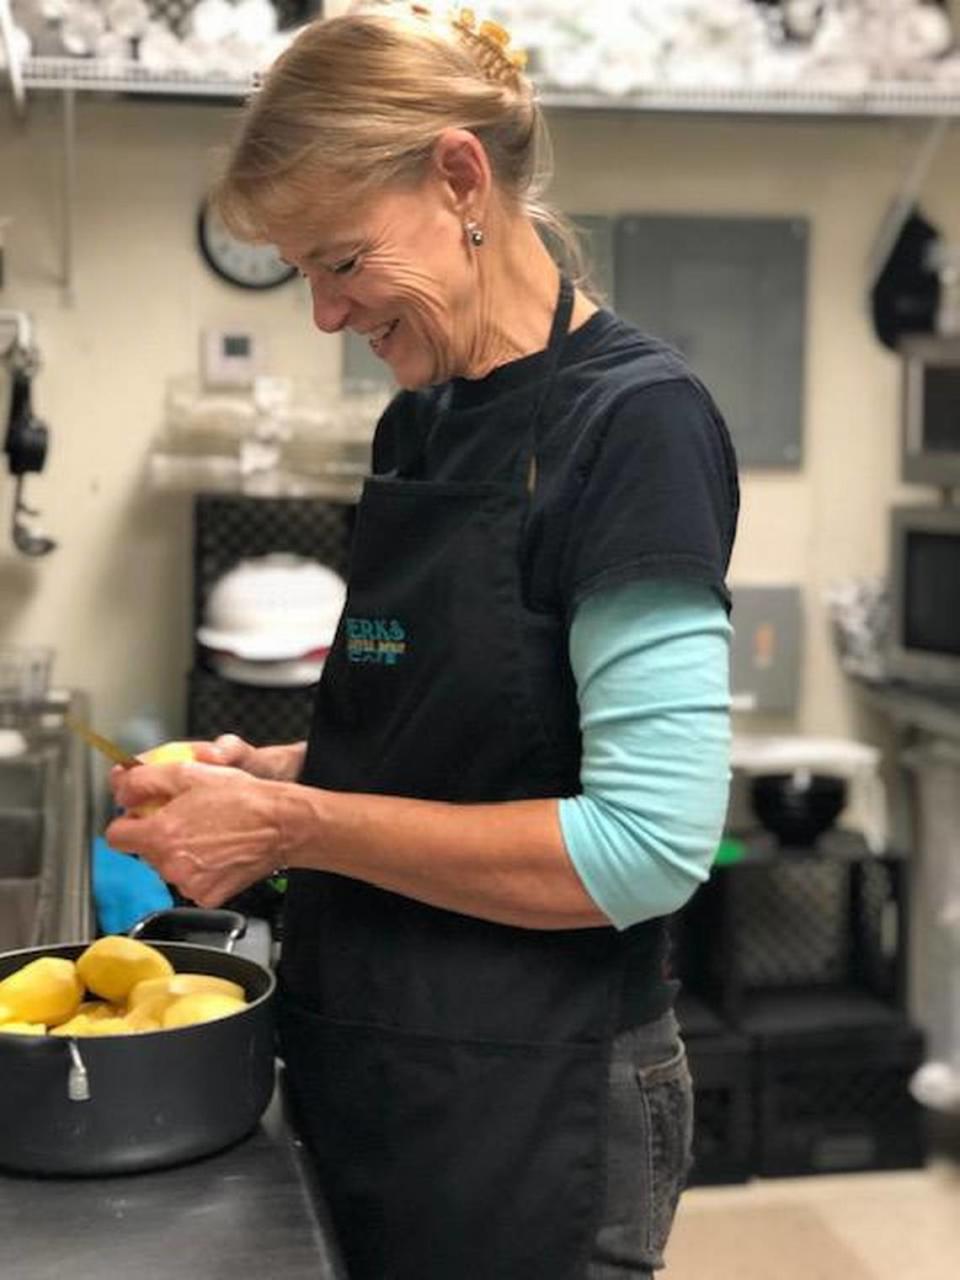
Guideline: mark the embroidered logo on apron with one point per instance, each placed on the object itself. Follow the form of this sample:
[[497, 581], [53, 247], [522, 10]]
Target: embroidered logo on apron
[[378, 640]]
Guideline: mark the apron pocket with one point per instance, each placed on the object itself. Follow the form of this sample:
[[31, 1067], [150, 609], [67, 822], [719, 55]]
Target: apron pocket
[[445, 1159], [337, 1104]]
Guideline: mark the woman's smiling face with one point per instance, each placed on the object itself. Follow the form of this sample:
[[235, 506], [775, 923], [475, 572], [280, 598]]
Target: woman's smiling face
[[398, 270]]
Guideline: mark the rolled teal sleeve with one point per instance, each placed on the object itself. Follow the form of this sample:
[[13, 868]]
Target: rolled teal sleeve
[[651, 662]]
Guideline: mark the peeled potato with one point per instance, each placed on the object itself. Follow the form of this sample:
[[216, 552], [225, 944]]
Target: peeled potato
[[45, 990], [205, 1006], [166, 753], [137, 987], [183, 984], [73, 1026], [143, 1018], [106, 1027], [97, 1009], [153, 1007], [111, 967], [83, 1025]]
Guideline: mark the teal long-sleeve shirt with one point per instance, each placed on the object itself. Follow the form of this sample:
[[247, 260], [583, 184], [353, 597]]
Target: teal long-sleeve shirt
[[651, 663]]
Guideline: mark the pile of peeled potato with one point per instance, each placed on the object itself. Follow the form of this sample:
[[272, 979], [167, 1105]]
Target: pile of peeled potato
[[118, 986]]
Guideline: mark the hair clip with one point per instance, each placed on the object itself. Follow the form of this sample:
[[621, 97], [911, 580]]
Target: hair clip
[[490, 43], [493, 31]]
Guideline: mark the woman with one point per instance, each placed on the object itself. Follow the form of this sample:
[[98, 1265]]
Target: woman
[[517, 765]]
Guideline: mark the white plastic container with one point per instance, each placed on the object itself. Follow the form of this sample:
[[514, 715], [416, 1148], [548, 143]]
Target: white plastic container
[[271, 620]]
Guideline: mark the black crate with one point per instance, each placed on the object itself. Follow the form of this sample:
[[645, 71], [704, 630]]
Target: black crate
[[260, 715], [229, 528], [720, 1065], [837, 1102], [696, 1019], [799, 941]]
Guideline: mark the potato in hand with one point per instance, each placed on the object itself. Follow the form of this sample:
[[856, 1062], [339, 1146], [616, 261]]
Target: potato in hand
[[166, 753]]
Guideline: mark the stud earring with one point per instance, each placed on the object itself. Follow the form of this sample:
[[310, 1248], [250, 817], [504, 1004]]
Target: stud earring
[[475, 233]]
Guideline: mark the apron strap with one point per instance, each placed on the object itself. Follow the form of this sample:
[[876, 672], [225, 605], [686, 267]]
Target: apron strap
[[558, 332]]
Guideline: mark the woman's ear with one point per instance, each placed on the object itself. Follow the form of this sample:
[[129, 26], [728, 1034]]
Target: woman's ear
[[461, 163]]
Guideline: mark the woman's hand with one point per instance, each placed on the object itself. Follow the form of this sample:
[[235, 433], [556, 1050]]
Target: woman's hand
[[282, 763], [215, 833]]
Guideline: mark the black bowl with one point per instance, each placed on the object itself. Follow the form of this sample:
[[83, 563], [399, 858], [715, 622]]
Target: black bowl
[[798, 807]]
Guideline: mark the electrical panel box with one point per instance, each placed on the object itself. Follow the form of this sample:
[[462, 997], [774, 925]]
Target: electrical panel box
[[730, 294], [766, 651]]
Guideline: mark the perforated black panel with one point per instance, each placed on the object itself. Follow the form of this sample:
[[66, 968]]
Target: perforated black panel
[[260, 715]]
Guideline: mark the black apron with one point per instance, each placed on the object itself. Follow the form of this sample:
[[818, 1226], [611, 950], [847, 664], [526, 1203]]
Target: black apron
[[449, 1074]]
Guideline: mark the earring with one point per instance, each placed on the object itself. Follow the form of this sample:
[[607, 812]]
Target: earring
[[475, 233]]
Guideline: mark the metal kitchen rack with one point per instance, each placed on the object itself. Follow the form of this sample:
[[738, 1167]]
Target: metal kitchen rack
[[88, 75], [935, 103], [923, 99]]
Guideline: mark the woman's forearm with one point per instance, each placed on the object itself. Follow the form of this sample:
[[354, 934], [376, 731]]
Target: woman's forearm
[[502, 862]]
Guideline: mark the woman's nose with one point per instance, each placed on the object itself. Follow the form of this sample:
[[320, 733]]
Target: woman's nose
[[330, 308]]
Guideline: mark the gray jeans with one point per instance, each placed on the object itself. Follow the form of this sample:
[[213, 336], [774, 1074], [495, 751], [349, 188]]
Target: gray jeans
[[649, 1141]]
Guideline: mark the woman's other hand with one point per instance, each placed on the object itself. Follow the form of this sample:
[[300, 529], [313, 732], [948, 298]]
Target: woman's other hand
[[209, 830], [281, 763]]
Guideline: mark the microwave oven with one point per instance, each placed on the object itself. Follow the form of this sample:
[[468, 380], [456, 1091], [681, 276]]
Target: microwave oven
[[923, 644], [930, 410]]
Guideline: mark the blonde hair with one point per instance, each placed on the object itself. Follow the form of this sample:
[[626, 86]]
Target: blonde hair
[[362, 98]]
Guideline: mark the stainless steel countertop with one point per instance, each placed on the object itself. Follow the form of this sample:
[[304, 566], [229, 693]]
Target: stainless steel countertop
[[243, 1214]]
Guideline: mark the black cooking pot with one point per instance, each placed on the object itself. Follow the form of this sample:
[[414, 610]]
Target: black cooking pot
[[121, 1104]]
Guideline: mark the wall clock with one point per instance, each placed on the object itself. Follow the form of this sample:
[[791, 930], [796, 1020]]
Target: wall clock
[[248, 266]]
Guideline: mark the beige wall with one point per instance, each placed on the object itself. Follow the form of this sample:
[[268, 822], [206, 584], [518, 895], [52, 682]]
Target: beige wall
[[115, 598]]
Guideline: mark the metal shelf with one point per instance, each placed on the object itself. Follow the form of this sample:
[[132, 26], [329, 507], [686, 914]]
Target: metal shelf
[[923, 99], [88, 75], [917, 99], [928, 101]]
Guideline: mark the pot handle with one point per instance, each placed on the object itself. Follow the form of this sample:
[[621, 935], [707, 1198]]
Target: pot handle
[[78, 1082], [176, 924]]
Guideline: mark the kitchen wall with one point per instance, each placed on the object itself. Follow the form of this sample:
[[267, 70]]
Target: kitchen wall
[[114, 598]]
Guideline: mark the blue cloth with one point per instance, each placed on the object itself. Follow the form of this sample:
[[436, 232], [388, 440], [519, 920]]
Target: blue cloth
[[651, 662], [124, 889]]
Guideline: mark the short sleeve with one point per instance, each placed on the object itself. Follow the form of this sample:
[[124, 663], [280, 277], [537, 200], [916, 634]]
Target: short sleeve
[[657, 495]]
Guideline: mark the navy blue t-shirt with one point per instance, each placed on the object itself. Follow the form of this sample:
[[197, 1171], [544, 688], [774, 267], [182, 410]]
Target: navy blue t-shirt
[[636, 473]]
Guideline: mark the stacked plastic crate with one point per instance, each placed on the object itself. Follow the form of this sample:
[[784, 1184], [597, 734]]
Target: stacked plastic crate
[[793, 963]]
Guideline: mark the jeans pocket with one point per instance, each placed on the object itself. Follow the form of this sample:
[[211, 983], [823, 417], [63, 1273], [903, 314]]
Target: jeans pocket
[[649, 1147], [666, 1097]]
